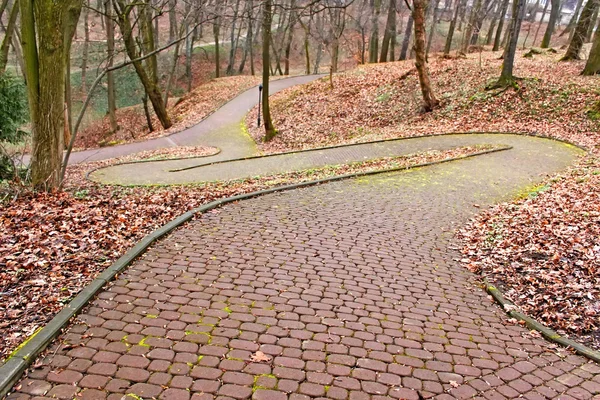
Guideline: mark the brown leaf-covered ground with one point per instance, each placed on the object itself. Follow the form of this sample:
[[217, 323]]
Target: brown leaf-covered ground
[[543, 249], [185, 112], [52, 245], [384, 100]]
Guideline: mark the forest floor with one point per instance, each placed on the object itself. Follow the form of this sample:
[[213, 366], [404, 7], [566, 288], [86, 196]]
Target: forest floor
[[541, 249]]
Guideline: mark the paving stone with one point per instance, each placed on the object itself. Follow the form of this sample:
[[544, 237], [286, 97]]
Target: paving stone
[[351, 288]]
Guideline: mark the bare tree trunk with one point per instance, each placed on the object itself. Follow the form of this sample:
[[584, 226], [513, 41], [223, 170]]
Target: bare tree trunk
[[489, 38], [429, 100], [581, 30], [590, 32], [86, 46], [537, 31], [406, 38], [290, 37], [148, 78], [374, 41], [189, 53], [8, 35], [249, 35], [45, 68], [233, 48], [172, 20], [270, 131], [216, 33], [448, 45], [110, 77], [592, 66], [498, 37], [390, 32], [471, 26], [432, 30], [506, 76], [573, 21]]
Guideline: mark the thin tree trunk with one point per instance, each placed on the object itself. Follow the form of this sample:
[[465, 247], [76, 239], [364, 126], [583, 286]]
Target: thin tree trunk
[[8, 35], [148, 79], [406, 38], [390, 32], [172, 20], [86, 46], [573, 21], [581, 30], [448, 45], [233, 48], [429, 100], [290, 37], [374, 41], [590, 32], [432, 30], [189, 53], [216, 33], [489, 38], [110, 77], [267, 122], [249, 35], [537, 31], [471, 26], [498, 37], [506, 76]]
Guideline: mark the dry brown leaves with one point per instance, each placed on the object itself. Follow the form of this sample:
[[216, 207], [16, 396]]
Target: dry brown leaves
[[374, 102], [52, 245]]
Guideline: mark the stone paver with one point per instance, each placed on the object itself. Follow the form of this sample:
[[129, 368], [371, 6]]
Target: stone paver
[[350, 288]]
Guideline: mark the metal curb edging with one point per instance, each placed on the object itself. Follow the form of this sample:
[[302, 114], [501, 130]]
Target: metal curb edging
[[13, 368], [513, 311]]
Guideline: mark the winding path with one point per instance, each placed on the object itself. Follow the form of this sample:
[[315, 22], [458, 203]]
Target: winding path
[[220, 129], [350, 289]]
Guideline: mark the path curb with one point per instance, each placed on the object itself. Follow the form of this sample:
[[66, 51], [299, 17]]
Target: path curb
[[513, 311], [12, 370]]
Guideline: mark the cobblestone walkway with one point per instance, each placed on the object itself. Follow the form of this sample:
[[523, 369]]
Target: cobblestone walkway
[[351, 290]]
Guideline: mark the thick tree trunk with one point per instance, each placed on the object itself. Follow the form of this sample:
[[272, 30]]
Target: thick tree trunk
[[45, 22], [390, 32], [267, 122], [8, 35], [448, 45], [592, 66], [110, 76], [429, 100], [506, 76], [406, 38], [498, 37], [581, 30]]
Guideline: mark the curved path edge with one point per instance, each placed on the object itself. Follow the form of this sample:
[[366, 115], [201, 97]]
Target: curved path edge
[[12, 370], [514, 312]]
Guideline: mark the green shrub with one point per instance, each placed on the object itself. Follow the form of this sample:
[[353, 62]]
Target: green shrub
[[14, 113]]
